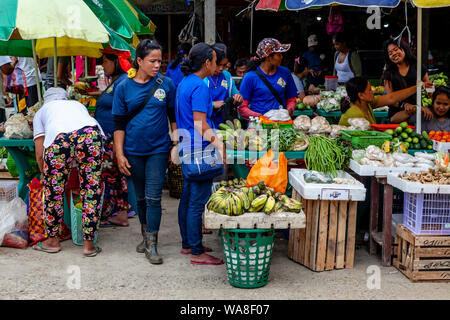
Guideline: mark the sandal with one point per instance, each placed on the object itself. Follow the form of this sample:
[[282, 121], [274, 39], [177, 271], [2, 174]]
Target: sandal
[[206, 231], [41, 248], [93, 254], [211, 261], [188, 251]]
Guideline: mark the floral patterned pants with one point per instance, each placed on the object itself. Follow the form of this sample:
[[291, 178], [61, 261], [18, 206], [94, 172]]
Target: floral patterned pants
[[85, 146], [115, 198]]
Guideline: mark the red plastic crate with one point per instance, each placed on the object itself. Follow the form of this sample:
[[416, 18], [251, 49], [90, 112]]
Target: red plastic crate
[[384, 127]]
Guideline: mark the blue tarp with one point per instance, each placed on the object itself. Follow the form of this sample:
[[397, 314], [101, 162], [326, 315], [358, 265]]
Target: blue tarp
[[303, 4]]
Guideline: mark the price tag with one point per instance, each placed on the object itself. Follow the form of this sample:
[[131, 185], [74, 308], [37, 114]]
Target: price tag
[[335, 194]]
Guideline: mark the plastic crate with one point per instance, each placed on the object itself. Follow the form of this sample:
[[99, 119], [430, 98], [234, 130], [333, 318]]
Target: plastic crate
[[363, 139], [427, 213], [384, 127], [248, 253], [307, 112], [8, 191], [326, 114], [282, 125]]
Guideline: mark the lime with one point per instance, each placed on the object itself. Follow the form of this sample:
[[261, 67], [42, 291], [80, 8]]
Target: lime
[[408, 130], [415, 140], [398, 129], [429, 147], [407, 145], [403, 125], [395, 140], [409, 140], [404, 135], [389, 131]]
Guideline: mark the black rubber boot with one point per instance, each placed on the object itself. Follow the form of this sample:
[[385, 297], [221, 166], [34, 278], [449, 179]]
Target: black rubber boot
[[151, 251], [141, 246]]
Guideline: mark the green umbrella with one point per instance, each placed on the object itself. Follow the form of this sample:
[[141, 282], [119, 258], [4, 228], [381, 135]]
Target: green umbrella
[[138, 21], [16, 48]]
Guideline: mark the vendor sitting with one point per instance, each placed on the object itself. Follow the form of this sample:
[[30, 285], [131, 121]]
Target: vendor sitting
[[440, 109], [360, 100]]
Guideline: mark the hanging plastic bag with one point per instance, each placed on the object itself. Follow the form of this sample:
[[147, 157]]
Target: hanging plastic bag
[[273, 172], [16, 82], [13, 217], [335, 22]]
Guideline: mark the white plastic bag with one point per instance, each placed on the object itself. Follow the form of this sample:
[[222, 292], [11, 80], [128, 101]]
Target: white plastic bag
[[375, 153], [11, 214], [403, 157], [320, 125], [359, 124], [302, 122], [17, 127]]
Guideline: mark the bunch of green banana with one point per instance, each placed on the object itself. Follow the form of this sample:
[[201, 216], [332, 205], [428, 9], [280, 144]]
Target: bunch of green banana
[[233, 198], [231, 125], [235, 183], [256, 143]]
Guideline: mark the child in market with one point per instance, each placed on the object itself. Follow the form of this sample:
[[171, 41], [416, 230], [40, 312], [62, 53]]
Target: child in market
[[441, 111]]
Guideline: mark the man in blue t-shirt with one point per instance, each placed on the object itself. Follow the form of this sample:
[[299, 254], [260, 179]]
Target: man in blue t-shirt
[[315, 64]]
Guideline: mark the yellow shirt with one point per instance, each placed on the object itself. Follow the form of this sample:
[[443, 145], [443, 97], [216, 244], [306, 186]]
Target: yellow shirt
[[355, 112]]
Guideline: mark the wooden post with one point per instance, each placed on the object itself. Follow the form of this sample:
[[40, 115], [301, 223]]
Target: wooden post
[[210, 21], [387, 225], [36, 69], [55, 62]]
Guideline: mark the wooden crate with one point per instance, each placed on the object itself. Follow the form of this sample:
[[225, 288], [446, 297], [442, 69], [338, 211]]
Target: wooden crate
[[328, 241], [422, 258]]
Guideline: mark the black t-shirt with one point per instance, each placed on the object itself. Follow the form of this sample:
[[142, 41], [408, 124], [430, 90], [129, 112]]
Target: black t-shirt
[[409, 80]]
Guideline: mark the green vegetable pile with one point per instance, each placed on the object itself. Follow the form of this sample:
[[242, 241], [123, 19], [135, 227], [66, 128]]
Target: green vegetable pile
[[411, 139], [325, 155], [289, 137], [439, 79]]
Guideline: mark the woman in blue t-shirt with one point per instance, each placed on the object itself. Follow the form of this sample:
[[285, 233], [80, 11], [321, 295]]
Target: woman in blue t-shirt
[[174, 68], [258, 98], [115, 199], [221, 85], [142, 103], [194, 111]]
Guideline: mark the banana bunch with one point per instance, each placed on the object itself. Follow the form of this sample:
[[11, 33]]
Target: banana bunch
[[232, 133], [256, 143], [229, 201], [233, 199]]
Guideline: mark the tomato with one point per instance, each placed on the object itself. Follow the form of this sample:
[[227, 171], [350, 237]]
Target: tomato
[[432, 132]]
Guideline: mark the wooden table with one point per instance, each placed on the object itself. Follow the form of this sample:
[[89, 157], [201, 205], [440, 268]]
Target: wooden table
[[15, 148], [384, 237]]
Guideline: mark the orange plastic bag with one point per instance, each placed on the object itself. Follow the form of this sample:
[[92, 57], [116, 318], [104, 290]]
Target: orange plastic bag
[[273, 172]]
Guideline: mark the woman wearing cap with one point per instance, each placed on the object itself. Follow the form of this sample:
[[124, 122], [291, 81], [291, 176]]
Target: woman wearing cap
[[194, 111], [142, 104], [174, 69], [258, 97], [58, 142], [115, 199], [221, 85]]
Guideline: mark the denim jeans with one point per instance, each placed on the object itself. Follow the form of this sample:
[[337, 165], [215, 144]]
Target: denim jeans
[[190, 211], [147, 173]]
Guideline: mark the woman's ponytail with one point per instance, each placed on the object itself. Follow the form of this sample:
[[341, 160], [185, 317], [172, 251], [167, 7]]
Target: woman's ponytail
[[198, 55]]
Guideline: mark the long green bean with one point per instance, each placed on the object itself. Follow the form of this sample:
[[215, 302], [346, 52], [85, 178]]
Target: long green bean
[[324, 155]]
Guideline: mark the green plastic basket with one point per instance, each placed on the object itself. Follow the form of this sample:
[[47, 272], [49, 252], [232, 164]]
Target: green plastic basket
[[307, 112], [363, 139], [282, 125], [76, 221], [248, 253]]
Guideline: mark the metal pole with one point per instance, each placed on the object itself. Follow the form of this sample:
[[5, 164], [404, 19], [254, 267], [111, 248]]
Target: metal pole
[[36, 69], [55, 63], [251, 30], [419, 70]]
